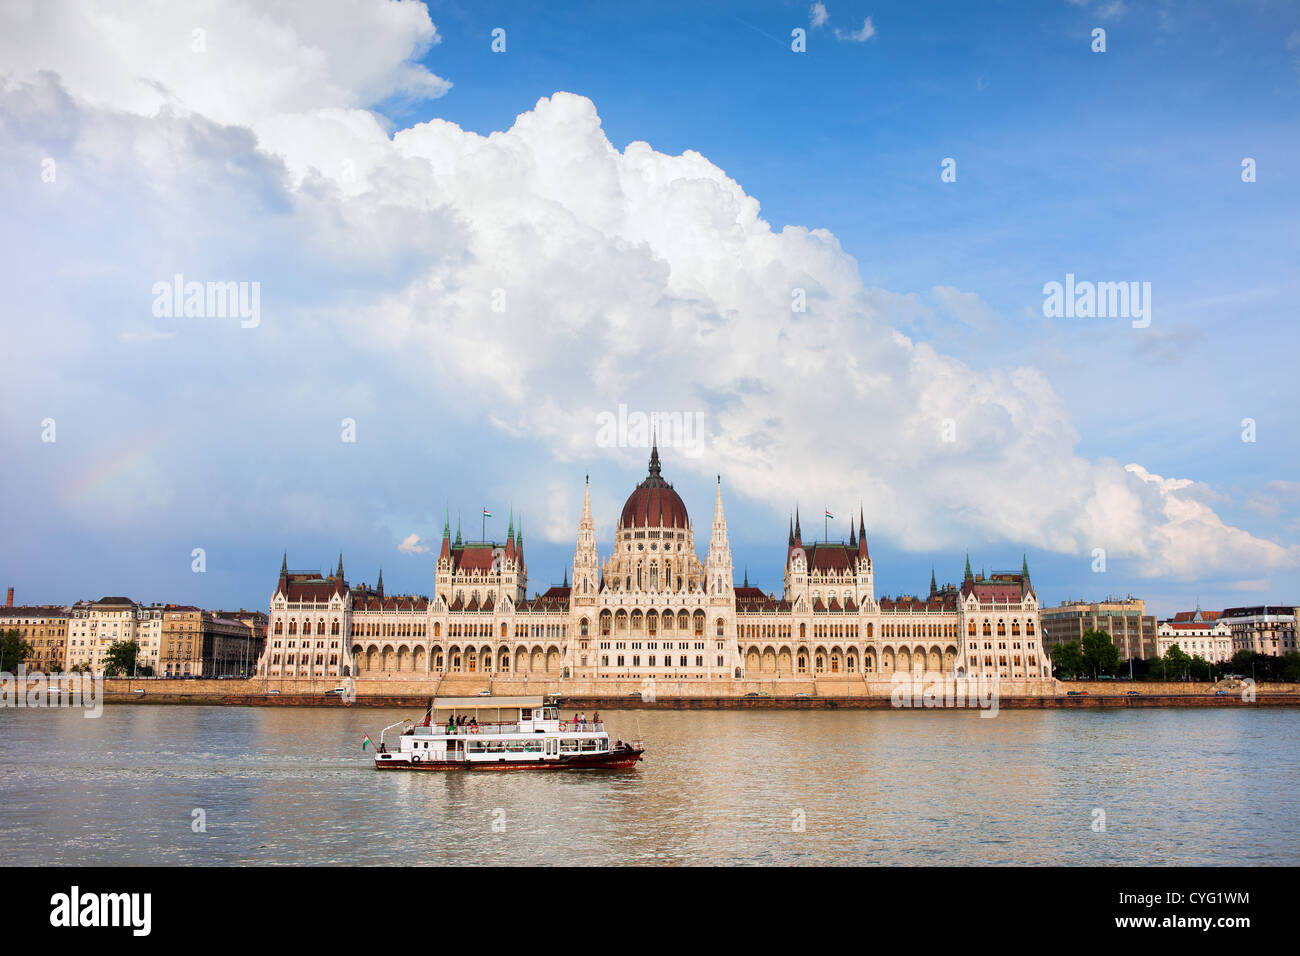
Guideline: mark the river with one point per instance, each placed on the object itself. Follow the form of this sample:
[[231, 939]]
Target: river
[[174, 785]]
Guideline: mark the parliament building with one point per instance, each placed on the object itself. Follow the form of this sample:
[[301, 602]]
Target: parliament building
[[653, 609]]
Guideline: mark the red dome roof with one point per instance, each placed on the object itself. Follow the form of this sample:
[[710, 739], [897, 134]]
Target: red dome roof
[[654, 504]]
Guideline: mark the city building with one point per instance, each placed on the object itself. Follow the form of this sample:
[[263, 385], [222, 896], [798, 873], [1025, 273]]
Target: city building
[[1197, 634], [243, 656], [1263, 629], [45, 630], [94, 626], [653, 609], [1131, 629]]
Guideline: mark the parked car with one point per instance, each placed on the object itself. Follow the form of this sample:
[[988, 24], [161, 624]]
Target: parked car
[[635, 695], [335, 692], [1074, 693], [272, 692], [1134, 693], [1221, 693], [138, 691], [801, 695], [757, 693], [485, 693]]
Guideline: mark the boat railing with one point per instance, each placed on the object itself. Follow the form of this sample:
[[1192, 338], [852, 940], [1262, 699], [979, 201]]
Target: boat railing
[[488, 728]]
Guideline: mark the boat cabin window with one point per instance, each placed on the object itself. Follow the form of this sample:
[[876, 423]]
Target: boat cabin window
[[526, 714]]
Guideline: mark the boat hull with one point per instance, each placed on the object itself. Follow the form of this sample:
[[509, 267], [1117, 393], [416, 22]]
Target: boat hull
[[614, 760]]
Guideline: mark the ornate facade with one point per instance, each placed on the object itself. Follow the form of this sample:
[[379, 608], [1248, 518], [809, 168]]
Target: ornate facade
[[653, 609]]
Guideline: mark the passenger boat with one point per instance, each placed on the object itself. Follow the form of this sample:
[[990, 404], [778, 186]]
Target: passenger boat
[[501, 733]]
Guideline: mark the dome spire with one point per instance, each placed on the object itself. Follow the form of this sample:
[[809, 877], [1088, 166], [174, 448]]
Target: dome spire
[[654, 456]]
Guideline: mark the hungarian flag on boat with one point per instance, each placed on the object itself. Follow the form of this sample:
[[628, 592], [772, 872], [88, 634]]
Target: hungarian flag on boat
[[829, 515], [486, 513], [365, 740]]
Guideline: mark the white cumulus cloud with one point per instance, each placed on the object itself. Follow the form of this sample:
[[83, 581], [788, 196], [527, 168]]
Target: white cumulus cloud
[[522, 283]]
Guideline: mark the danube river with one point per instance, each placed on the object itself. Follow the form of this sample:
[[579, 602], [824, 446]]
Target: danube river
[[231, 785]]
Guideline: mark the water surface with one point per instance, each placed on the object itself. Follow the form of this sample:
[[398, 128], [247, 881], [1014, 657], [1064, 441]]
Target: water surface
[[291, 785]]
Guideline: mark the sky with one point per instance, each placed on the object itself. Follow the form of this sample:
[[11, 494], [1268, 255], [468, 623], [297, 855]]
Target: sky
[[832, 260]]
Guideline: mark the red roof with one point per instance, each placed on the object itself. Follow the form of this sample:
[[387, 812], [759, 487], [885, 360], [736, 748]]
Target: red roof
[[830, 557], [654, 504], [473, 557]]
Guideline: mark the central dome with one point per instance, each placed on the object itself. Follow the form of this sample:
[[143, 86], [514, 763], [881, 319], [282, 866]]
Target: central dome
[[654, 504]]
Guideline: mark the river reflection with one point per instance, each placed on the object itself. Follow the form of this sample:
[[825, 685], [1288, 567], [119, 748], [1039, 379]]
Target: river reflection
[[291, 785]]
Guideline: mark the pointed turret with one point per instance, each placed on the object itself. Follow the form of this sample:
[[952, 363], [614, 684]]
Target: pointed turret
[[798, 535], [853, 540], [862, 535], [566, 578], [586, 562], [445, 552], [968, 576], [718, 567], [458, 530], [339, 573], [789, 541], [934, 587], [510, 537], [379, 588]]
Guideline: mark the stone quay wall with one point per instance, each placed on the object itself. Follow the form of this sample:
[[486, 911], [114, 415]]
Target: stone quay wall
[[689, 694]]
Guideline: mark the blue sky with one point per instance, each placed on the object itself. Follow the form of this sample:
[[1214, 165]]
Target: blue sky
[[1123, 165]]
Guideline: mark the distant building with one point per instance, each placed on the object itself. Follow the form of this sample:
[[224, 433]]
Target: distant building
[[1131, 629], [44, 628], [1197, 634], [243, 656], [1263, 629], [94, 626]]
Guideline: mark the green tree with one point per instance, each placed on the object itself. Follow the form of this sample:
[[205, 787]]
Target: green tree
[[1291, 667], [1067, 660], [1177, 665], [13, 650], [1100, 655], [119, 659]]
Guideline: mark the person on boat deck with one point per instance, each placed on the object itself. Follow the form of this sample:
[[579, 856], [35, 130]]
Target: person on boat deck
[[595, 718], [575, 718]]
